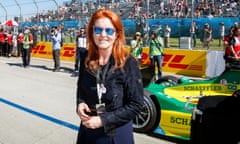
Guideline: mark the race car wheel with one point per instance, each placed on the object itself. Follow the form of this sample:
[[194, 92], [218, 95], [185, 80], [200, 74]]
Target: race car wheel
[[147, 119], [168, 80]]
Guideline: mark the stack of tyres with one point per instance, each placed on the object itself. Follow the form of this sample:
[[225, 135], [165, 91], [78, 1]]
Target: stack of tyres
[[216, 120]]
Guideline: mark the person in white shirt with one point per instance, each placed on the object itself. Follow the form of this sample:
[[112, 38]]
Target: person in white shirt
[[56, 47], [221, 33], [81, 47], [193, 31], [167, 32]]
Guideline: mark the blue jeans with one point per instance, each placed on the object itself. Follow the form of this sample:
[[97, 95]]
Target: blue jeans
[[158, 59], [194, 39], [80, 51]]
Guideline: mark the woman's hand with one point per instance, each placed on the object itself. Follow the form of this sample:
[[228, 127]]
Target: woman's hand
[[82, 111], [93, 123]]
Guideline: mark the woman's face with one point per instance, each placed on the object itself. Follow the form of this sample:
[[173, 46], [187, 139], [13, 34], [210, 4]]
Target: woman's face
[[104, 33]]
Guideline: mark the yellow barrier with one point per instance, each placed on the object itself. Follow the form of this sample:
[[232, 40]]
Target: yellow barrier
[[185, 62], [44, 50]]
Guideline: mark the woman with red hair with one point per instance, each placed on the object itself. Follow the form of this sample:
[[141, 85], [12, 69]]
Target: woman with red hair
[[110, 89]]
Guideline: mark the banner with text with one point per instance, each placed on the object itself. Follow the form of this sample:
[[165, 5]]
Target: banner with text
[[44, 50], [185, 62]]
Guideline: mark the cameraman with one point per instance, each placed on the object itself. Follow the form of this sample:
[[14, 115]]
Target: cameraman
[[56, 46], [136, 46]]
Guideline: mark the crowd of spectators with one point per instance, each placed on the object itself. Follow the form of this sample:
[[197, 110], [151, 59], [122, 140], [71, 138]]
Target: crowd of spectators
[[136, 10], [129, 9]]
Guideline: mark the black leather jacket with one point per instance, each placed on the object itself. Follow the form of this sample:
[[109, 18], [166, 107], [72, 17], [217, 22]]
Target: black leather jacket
[[123, 97]]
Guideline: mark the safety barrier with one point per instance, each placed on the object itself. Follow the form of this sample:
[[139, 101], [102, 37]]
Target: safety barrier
[[199, 63]]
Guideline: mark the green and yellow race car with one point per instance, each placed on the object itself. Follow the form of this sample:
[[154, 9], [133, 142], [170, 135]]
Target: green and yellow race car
[[169, 101]]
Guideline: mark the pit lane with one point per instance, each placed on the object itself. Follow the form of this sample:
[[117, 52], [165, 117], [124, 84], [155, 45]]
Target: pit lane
[[38, 105]]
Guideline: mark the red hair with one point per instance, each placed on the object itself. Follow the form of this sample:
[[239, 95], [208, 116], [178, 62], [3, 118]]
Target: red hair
[[119, 52]]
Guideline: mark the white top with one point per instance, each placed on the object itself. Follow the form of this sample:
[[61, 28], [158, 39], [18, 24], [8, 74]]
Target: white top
[[82, 42]]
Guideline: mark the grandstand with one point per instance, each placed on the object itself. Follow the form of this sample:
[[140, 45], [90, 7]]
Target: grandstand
[[129, 9], [177, 13]]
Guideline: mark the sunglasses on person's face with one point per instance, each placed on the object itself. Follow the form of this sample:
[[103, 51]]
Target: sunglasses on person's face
[[99, 30]]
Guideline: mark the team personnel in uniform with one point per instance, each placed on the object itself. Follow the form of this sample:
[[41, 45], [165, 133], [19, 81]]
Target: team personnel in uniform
[[20, 43], [156, 54], [81, 47], [27, 43], [9, 44], [2, 42], [235, 44]]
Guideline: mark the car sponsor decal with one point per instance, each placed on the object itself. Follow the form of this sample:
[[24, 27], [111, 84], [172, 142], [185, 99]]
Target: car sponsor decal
[[174, 123], [181, 92]]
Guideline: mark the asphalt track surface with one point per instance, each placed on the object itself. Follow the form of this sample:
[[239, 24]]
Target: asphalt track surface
[[37, 106]]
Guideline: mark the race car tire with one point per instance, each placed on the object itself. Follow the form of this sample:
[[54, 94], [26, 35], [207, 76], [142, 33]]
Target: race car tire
[[148, 118], [168, 80]]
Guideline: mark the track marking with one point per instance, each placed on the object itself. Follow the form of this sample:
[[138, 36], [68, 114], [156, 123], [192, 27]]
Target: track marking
[[41, 115]]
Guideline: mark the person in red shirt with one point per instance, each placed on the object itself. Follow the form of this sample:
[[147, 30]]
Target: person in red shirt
[[235, 44], [233, 54], [9, 44], [20, 43], [2, 41], [227, 39]]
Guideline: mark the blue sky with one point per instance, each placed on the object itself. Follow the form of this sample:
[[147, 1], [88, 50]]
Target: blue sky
[[28, 8]]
